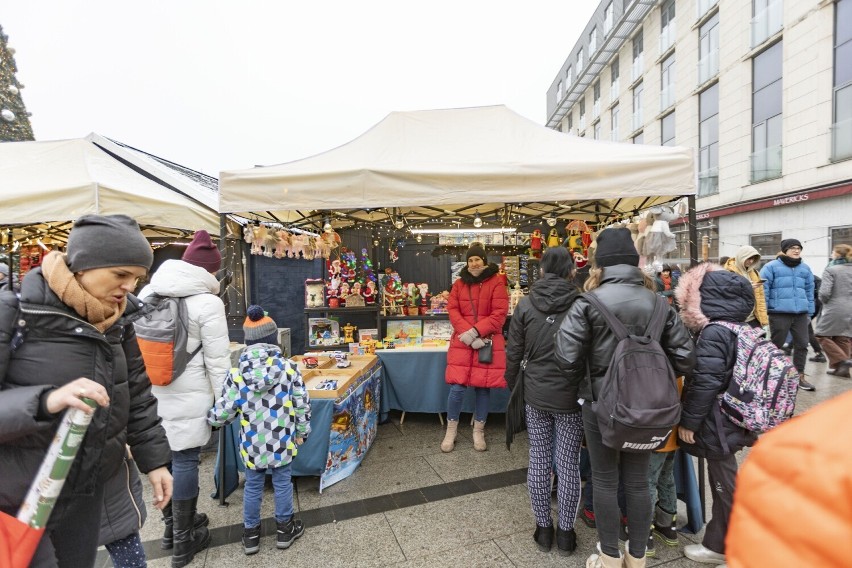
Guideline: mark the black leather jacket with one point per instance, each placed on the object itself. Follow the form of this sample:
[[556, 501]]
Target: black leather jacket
[[545, 385], [585, 339], [60, 346]]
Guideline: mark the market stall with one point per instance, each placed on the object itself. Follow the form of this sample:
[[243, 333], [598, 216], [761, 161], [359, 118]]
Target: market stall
[[487, 173]]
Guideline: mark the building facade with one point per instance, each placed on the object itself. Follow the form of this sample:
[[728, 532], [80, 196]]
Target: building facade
[[762, 89]]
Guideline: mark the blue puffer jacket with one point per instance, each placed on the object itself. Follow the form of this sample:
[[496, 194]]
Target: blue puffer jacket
[[789, 289]]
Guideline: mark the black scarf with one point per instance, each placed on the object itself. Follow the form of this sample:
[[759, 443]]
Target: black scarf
[[789, 261]]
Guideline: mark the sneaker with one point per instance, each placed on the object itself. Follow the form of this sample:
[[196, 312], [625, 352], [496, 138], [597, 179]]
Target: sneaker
[[251, 540], [842, 369], [667, 534], [588, 517], [805, 385], [700, 553], [650, 551], [288, 532], [818, 358]]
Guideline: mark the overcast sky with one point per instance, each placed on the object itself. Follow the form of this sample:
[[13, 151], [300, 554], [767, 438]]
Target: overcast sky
[[219, 85]]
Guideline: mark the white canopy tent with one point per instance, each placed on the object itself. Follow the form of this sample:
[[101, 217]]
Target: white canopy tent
[[426, 161], [57, 181]]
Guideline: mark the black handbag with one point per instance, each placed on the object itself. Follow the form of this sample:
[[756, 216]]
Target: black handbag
[[516, 412], [484, 354]]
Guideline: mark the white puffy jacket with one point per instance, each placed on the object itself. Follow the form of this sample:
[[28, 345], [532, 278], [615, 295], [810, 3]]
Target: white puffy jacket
[[183, 404]]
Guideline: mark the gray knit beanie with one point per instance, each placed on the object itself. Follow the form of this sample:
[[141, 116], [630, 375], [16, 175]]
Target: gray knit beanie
[[100, 241]]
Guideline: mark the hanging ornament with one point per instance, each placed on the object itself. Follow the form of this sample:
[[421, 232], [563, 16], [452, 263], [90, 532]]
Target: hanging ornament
[[551, 221], [13, 89], [7, 115], [419, 238]]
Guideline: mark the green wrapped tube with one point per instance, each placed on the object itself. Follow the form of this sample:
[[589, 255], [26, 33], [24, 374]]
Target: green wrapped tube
[[54, 469]]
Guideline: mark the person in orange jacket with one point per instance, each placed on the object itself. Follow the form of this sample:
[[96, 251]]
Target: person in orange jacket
[[801, 471]]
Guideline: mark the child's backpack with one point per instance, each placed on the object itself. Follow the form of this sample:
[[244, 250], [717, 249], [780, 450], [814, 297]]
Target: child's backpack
[[639, 403], [763, 388], [161, 331]]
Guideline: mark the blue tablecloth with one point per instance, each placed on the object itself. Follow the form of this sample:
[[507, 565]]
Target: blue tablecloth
[[414, 382], [332, 453]]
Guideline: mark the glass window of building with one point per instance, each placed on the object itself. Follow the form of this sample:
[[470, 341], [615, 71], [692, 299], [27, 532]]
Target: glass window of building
[[570, 77], [638, 59], [767, 19], [639, 138], [580, 62], [593, 41], [570, 121], [614, 73], [708, 49], [767, 244], [841, 129], [708, 141], [559, 91], [667, 129], [608, 19], [667, 80], [582, 107], [597, 130], [614, 122], [596, 99], [637, 106], [840, 236], [766, 114], [667, 25]]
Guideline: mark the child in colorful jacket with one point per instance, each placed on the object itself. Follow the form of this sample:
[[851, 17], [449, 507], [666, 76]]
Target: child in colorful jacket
[[268, 394]]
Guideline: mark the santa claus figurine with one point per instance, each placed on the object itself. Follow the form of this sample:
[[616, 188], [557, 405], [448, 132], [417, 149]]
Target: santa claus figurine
[[370, 293]]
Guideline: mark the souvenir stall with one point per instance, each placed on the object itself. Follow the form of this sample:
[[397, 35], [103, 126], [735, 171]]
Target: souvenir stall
[[450, 177]]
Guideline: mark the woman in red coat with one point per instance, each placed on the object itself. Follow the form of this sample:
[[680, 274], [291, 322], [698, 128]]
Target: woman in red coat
[[478, 306]]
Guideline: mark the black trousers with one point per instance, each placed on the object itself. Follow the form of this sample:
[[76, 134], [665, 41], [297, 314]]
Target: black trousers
[[71, 537], [723, 476], [797, 324]]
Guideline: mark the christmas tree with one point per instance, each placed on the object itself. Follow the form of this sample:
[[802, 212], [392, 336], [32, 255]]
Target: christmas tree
[[14, 118], [367, 267]]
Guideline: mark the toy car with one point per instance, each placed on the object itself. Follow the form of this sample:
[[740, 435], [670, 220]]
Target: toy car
[[310, 362], [342, 360]]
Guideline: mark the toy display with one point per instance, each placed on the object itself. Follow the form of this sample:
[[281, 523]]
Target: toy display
[[405, 332], [370, 293], [437, 329], [392, 294], [423, 289], [349, 333], [314, 293], [323, 332], [438, 303]]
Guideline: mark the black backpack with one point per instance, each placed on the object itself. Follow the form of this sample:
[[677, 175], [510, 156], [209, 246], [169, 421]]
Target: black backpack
[[638, 403]]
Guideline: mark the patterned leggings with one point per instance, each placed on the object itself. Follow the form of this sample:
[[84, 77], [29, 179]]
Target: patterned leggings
[[565, 442], [127, 552]]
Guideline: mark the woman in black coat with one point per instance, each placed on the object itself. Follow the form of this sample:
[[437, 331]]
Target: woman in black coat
[[78, 343], [709, 293], [552, 412]]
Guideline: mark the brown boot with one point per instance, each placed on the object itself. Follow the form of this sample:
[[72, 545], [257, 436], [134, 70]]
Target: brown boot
[[479, 436], [631, 562], [603, 561], [450, 437], [805, 385]]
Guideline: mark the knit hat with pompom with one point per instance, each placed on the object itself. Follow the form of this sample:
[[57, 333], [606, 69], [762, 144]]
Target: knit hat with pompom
[[259, 327]]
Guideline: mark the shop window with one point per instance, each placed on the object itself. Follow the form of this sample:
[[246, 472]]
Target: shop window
[[840, 236], [767, 244]]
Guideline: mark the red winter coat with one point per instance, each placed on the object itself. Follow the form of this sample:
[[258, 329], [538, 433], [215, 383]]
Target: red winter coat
[[492, 304]]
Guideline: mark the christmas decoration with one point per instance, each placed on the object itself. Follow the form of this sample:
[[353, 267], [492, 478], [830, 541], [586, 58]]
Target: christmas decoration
[[15, 123], [367, 266]]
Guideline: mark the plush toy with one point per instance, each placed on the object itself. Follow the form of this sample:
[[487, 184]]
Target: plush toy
[[536, 243], [248, 234], [659, 239], [334, 269], [553, 238], [260, 232], [643, 226], [270, 242], [283, 244], [579, 260]]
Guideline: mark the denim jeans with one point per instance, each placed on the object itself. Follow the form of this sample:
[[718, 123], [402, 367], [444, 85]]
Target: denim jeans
[[185, 473], [661, 481], [454, 402], [253, 495]]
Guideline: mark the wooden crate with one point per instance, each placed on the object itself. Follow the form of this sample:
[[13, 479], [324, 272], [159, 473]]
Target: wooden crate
[[344, 378]]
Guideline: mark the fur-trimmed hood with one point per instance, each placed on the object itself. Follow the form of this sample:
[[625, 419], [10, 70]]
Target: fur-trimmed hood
[[709, 292]]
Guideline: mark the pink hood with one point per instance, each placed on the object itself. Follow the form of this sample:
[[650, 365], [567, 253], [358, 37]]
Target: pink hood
[[689, 297]]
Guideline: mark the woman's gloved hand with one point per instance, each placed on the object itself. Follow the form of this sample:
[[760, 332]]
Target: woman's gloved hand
[[477, 343], [468, 336]]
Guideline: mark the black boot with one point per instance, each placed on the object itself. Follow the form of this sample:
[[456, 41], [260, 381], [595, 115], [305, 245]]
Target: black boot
[[287, 532], [167, 543], [566, 541], [187, 539], [543, 536]]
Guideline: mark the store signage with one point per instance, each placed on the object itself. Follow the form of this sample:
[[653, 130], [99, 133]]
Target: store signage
[[795, 199]]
